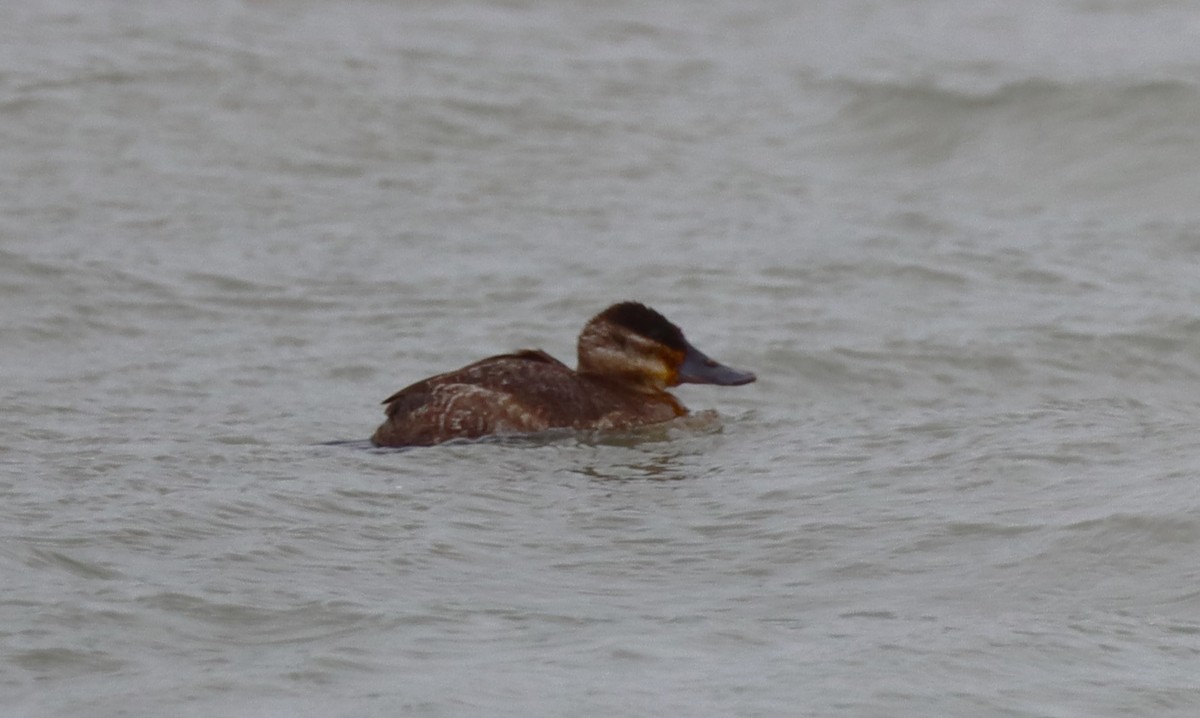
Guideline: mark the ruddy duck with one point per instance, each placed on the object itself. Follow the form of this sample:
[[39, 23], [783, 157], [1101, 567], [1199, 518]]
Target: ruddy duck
[[629, 355]]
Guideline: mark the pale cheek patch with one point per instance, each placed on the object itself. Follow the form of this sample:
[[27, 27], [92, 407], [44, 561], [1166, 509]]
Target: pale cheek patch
[[649, 365], [650, 361]]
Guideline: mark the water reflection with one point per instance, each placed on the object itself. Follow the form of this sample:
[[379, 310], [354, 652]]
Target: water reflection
[[664, 467]]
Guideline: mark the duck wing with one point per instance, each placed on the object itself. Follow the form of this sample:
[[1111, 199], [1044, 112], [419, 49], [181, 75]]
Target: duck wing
[[510, 393]]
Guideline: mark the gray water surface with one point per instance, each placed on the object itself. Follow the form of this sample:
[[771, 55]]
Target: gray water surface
[[957, 242]]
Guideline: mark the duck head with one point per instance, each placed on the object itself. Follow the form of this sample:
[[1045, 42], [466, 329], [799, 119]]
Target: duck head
[[636, 346]]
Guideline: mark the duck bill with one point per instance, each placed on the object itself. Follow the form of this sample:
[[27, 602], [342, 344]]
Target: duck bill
[[699, 369]]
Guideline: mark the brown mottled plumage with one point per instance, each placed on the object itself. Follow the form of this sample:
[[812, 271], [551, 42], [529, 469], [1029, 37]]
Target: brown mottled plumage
[[629, 355]]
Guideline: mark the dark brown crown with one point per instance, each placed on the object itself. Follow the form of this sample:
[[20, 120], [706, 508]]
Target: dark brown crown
[[643, 320]]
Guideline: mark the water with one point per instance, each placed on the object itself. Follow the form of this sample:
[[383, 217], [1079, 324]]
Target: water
[[956, 241]]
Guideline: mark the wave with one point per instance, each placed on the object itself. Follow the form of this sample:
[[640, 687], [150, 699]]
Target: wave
[[1021, 91], [1130, 145]]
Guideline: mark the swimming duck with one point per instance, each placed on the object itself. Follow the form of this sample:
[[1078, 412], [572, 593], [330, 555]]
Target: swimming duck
[[629, 355]]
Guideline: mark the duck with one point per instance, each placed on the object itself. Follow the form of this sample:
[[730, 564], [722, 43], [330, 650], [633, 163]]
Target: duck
[[628, 356]]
